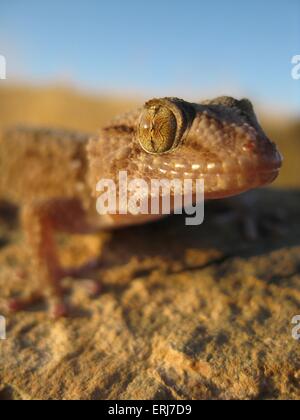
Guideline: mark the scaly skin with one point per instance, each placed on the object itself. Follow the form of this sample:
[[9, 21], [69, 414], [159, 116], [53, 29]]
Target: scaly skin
[[52, 174]]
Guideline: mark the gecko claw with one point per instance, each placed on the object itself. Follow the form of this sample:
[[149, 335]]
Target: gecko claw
[[14, 305], [18, 304], [93, 287], [59, 310]]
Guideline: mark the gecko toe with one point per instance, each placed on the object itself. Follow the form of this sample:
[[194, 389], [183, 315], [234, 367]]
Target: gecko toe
[[93, 287], [19, 304], [59, 310]]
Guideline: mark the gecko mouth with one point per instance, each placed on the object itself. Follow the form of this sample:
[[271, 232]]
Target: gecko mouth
[[243, 165], [221, 180]]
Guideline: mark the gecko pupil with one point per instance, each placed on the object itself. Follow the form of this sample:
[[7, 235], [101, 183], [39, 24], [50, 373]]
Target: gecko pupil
[[157, 129]]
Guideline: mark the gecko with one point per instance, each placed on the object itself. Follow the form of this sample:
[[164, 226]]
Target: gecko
[[51, 174]]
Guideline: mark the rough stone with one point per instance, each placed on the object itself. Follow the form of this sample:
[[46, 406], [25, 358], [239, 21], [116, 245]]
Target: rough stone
[[185, 313]]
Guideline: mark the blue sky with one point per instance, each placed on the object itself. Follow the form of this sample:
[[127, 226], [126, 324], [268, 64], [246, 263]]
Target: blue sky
[[160, 47]]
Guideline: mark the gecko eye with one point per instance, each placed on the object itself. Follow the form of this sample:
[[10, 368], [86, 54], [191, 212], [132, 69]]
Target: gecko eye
[[164, 123], [157, 129]]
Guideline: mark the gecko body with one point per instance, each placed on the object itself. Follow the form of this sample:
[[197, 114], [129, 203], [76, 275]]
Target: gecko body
[[52, 174]]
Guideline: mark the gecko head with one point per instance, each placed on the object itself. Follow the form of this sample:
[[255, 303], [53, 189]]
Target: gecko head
[[219, 141]]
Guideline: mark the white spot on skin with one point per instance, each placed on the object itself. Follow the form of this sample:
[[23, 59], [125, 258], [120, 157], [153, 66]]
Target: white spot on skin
[[163, 171], [195, 167], [211, 165]]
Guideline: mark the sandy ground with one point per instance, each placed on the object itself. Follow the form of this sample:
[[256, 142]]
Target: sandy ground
[[185, 313]]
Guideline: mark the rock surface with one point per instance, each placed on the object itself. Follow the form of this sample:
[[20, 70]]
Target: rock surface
[[185, 313]]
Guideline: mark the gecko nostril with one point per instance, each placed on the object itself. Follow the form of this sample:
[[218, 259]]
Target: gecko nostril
[[249, 146]]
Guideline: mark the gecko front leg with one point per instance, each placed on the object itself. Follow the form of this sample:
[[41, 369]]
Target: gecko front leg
[[41, 220]]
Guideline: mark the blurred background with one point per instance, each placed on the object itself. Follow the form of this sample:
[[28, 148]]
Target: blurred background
[[77, 63]]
